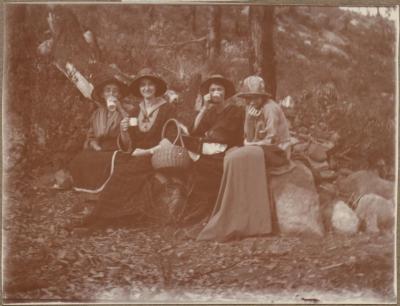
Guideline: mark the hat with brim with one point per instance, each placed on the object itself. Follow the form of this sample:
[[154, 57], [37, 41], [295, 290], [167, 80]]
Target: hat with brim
[[220, 80], [103, 80], [253, 86], [147, 73]]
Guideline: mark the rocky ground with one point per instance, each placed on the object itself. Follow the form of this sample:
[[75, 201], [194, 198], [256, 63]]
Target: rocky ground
[[44, 262]]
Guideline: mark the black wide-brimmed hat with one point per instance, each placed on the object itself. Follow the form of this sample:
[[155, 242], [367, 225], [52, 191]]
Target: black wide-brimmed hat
[[218, 79], [104, 79], [148, 73]]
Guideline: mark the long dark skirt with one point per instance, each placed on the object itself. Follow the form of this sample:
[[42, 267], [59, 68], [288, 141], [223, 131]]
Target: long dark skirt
[[124, 194], [207, 173], [90, 170]]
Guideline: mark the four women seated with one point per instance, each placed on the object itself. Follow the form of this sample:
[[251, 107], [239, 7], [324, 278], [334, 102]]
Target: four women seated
[[229, 179]]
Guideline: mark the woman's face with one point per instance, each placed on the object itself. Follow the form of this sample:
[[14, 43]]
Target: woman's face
[[111, 90], [147, 88], [256, 102], [217, 93]]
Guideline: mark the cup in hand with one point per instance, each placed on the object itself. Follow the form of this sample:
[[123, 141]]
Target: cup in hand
[[111, 103], [216, 96], [133, 121]]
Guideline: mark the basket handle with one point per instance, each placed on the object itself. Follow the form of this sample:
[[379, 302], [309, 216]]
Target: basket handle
[[179, 133]]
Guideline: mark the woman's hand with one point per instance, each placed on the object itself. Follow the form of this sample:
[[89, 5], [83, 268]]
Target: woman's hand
[[143, 152], [253, 112], [206, 101], [124, 124]]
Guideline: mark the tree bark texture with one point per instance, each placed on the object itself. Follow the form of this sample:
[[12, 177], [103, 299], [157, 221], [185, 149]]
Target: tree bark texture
[[193, 19], [214, 33], [261, 45], [269, 64]]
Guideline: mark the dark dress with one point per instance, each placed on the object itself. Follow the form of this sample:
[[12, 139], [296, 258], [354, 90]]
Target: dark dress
[[224, 127], [90, 169], [124, 194]]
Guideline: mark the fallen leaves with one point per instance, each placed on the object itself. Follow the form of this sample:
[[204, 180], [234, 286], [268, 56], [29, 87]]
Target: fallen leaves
[[156, 264]]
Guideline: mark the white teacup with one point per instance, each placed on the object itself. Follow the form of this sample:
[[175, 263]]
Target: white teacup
[[216, 95], [133, 121]]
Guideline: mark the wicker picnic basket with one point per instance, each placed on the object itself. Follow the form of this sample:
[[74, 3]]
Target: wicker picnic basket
[[171, 155]]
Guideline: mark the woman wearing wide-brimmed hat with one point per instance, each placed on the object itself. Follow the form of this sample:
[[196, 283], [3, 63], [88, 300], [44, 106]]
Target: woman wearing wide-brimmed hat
[[91, 167], [218, 126], [122, 198], [243, 207]]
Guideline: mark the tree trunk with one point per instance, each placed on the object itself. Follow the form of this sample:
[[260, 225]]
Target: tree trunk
[[21, 63], [255, 43], [268, 70], [236, 11], [214, 33], [22, 82], [261, 45], [193, 19]]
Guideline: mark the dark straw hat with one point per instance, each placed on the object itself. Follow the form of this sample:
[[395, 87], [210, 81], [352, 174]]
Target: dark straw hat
[[103, 80], [218, 79], [147, 73]]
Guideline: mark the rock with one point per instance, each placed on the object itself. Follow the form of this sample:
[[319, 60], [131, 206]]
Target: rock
[[45, 47], [169, 197], [354, 22], [318, 166], [375, 213], [364, 182], [328, 49], [297, 202], [344, 220], [63, 179], [317, 152], [334, 39], [328, 175], [300, 147], [345, 171]]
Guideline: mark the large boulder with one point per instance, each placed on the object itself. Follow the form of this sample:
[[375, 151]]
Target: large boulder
[[364, 182], [375, 213], [344, 220], [296, 202]]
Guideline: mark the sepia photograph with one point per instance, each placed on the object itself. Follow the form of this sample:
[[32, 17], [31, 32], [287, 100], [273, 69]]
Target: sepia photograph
[[199, 152]]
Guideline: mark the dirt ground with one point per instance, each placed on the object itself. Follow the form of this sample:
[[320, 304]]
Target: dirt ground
[[44, 262]]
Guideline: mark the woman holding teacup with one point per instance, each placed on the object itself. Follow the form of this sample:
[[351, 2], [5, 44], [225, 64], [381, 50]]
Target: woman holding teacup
[[243, 207], [217, 127], [91, 168], [140, 135]]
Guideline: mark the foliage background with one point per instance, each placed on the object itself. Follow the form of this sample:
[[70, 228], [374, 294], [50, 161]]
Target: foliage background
[[338, 65]]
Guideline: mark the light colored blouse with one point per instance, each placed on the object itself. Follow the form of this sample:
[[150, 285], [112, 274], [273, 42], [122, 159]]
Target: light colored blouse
[[269, 128]]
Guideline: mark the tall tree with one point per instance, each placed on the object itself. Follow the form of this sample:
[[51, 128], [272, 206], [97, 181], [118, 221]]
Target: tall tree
[[261, 45], [214, 33], [193, 18]]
